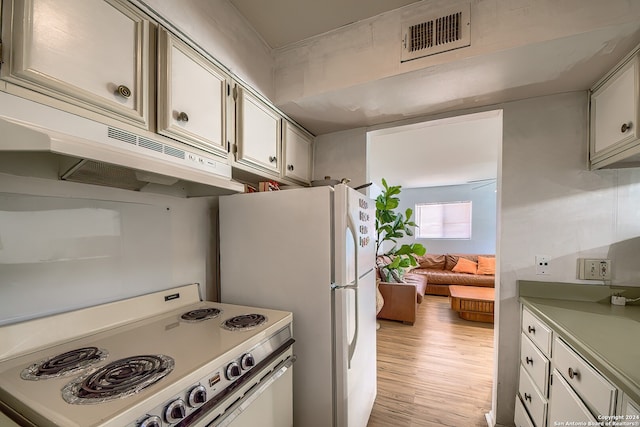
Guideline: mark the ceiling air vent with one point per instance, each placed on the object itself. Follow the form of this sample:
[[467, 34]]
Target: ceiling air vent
[[433, 34]]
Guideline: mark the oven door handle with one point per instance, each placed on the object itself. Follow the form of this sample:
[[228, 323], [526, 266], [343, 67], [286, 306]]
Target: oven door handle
[[241, 405]]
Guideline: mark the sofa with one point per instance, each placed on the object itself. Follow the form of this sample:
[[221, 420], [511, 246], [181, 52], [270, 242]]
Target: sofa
[[442, 270], [401, 299]]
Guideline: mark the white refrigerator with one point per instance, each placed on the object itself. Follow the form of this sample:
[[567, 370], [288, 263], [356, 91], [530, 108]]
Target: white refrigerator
[[311, 251]]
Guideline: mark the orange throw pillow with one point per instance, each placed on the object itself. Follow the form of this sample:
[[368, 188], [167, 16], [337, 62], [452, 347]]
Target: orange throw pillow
[[465, 266], [486, 265]]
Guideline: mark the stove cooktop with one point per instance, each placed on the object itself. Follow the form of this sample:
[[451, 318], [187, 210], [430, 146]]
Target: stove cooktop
[[185, 351]]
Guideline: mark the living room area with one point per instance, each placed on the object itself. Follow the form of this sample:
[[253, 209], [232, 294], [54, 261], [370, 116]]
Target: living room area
[[435, 340]]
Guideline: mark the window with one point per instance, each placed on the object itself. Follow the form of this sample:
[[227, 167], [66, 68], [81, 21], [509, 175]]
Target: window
[[450, 220]]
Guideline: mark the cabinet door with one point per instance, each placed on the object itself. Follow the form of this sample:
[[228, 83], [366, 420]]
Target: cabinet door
[[565, 405], [298, 153], [191, 96], [258, 133], [631, 409], [90, 53], [614, 112]]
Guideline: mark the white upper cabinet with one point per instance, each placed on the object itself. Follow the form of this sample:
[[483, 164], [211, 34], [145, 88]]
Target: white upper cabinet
[[615, 116], [258, 133], [191, 96], [298, 153], [90, 53]]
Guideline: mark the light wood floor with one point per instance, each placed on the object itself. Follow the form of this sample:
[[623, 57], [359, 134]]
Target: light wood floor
[[437, 372]]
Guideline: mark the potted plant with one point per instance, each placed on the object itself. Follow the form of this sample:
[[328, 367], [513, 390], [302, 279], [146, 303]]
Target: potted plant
[[391, 226]]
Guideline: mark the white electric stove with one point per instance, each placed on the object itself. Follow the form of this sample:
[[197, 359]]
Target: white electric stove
[[163, 359]]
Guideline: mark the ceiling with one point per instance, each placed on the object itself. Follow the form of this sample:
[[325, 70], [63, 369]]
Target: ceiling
[[283, 22], [453, 151], [573, 61]]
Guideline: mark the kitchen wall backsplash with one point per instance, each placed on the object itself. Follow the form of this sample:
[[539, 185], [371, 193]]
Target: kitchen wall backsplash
[[59, 254]]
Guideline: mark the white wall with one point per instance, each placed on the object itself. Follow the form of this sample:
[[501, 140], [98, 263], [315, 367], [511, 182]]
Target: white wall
[[483, 226], [550, 203], [341, 155]]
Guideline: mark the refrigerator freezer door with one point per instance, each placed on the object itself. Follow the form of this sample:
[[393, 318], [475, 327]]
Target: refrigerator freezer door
[[355, 381], [354, 233]]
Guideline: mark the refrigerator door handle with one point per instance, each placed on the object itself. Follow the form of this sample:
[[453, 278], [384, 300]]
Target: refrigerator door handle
[[352, 345]]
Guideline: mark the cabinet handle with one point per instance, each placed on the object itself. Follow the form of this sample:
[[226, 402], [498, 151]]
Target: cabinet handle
[[527, 396], [183, 117], [123, 91], [625, 127], [529, 361], [290, 167], [273, 159], [531, 329], [573, 373]]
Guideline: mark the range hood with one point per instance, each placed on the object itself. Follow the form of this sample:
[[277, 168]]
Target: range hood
[[37, 140]]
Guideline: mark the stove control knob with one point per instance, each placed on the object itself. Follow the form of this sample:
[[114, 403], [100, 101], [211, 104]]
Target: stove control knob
[[152, 421], [247, 361], [233, 371], [197, 396], [175, 411]]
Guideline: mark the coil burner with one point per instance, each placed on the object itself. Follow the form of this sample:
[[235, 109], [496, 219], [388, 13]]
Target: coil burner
[[118, 379], [244, 322], [63, 364], [201, 314]]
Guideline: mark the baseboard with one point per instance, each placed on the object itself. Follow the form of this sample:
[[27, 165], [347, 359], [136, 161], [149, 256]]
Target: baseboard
[[489, 417], [491, 422]]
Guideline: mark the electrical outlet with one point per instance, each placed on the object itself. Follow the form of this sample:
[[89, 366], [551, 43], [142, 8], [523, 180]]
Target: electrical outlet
[[594, 269], [543, 266]]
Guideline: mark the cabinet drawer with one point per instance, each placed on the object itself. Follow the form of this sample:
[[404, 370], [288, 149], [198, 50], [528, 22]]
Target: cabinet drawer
[[590, 385], [520, 417], [535, 363], [535, 403], [537, 331]]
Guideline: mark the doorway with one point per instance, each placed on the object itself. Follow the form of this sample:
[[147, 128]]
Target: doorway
[[451, 159]]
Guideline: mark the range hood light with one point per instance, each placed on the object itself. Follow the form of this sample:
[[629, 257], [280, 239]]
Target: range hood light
[[155, 178]]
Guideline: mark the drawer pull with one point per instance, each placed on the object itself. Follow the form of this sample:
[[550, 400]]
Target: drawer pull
[[573, 373], [272, 159], [625, 127], [290, 167], [527, 396], [123, 91], [183, 117], [529, 361], [531, 329]]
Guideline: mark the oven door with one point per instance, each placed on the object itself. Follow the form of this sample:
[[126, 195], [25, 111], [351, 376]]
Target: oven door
[[271, 405], [264, 397]]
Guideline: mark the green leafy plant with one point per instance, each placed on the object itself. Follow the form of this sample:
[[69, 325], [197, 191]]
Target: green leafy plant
[[391, 226]]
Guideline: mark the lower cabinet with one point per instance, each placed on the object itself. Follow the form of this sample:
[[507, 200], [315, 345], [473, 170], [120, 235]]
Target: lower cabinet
[[558, 386]]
